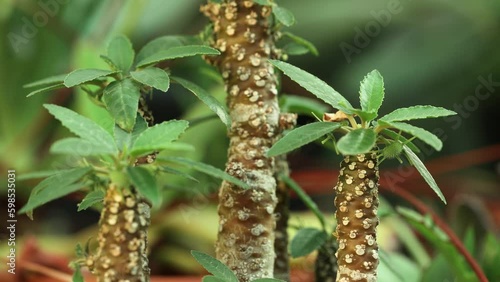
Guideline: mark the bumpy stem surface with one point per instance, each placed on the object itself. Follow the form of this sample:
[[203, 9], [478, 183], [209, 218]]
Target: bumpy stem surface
[[325, 267], [357, 203], [282, 211], [246, 228], [122, 239]]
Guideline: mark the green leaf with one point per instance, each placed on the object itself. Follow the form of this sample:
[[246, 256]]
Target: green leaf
[[284, 16], [82, 76], [315, 85], [416, 112], [121, 53], [310, 204], [154, 77], [301, 136], [303, 42], [122, 101], [159, 44], [263, 2], [358, 141], [295, 49], [301, 105], [45, 89], [126, 139], [207, 169], [396, 136], [37, 174], [91, 199], [173, 171], [371, 92], [80, 147], [48, 81], [82, 126], [54, 187], [417, 163], [158, 137], [306, 241], [212, 279], [178, 52], [215, 267], [110, 63], [77, 275], [145, 183], [418, 132], [364, 115], [440, 241], [212, 103]]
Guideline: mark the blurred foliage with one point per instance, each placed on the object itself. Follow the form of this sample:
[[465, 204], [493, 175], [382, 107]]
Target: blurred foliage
[[430, 52]]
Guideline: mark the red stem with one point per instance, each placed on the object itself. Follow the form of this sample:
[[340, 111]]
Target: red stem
[[424, 209]]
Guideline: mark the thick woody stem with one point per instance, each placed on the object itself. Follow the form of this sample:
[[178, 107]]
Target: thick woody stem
[[122, 252], [356, 203], [245, 241], [122, 239]]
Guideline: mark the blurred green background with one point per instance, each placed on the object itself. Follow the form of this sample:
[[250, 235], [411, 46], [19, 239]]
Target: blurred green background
[[437, 52]]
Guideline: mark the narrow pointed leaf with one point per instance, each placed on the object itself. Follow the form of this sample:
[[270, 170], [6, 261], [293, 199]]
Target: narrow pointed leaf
[[56, 79], [284, 16], [315, 85], [422, 134], [371, 93], [212, 103], [122, 101], [158, 137], [306, 241], [37, 174], [207, 169], [302, 105], [81, 76], [82, 126], [358, 141], [145, 183], [303, 42], [417, 163], [215, 267], [178, 52], [417, 112], [46, 89], [153, 77], [395, 136], [295, 49], [310, 204], [121, 53], [91, 199], [80, 147], [301, 136], [158, 44], [54, 187], [174, 171]]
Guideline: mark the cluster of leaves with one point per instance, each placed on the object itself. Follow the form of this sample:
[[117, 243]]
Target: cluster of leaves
[[220, 272], [361, 132], [116, 150], [132, 74], [116, 154]]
